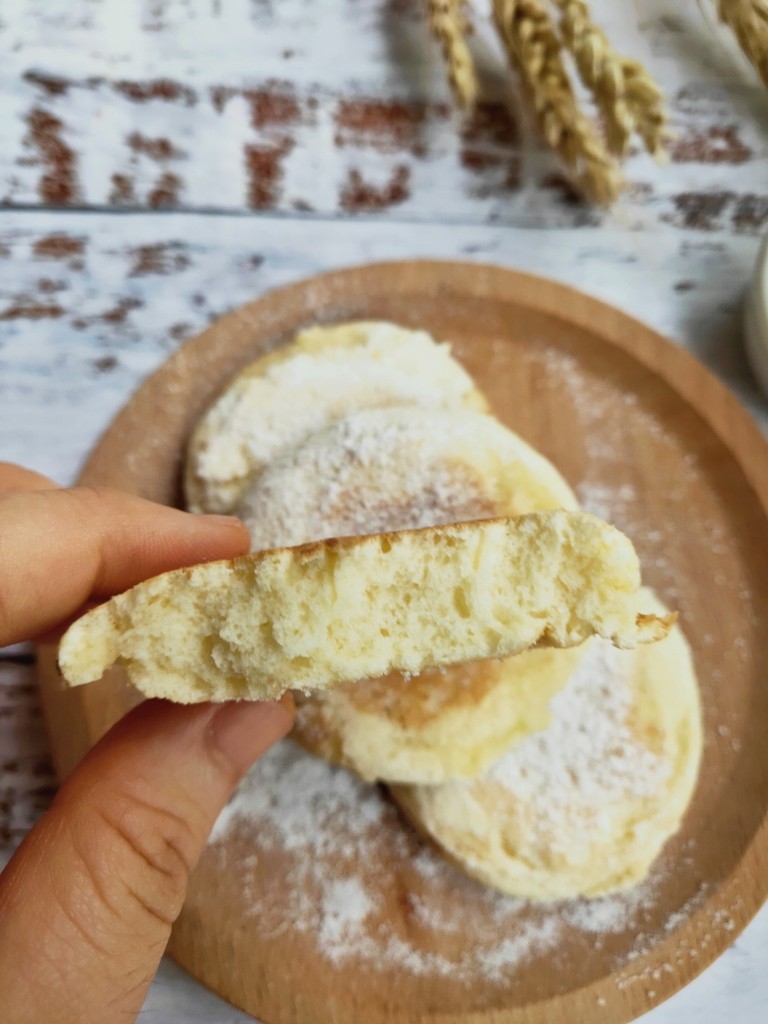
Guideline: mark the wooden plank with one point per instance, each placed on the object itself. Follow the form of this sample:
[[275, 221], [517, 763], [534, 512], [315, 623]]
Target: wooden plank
[[27, 781], [90, 305], [342, 109]]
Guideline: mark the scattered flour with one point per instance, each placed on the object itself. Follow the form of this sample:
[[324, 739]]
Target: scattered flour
[[342, 852], [605, 501], [607, 915], [587, 759], [345, 907]]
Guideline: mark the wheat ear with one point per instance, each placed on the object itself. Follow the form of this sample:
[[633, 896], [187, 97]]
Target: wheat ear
[[748, 20], [623, 90], [535, 52], [449, 26]]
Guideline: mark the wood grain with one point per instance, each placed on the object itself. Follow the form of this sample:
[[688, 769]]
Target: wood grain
[[650, 439]]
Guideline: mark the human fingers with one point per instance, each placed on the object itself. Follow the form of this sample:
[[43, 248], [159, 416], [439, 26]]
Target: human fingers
[[87, 902], [59, 548], [19, 478]]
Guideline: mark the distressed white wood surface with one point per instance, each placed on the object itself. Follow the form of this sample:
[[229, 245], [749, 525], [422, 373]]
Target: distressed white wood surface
[[330, 124], [90, 305], [341, 107], [26, 777]]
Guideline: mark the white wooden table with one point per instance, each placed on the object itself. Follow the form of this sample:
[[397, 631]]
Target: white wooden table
[[164, 161]]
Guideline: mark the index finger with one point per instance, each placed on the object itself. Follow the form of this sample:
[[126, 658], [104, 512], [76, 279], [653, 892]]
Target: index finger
[[19, 478], [60, 548]]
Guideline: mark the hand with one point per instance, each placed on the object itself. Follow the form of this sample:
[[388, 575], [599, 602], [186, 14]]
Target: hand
[[88, 900]]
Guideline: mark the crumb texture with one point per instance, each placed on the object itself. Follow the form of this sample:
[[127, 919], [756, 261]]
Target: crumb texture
[[338, 611]]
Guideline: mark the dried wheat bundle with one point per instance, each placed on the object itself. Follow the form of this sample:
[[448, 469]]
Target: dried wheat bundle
[[623, 91], [535, 52], [449, 25], [627, 98], [748, 20]]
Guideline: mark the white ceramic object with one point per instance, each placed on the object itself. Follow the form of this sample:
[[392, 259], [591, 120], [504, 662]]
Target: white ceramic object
[[756, 318]]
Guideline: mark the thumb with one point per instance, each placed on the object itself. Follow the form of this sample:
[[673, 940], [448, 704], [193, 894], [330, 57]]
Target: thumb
[[87, 902]]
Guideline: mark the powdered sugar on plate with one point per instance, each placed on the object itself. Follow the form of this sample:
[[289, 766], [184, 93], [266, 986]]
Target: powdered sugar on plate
[[345, 907], [333, 863]]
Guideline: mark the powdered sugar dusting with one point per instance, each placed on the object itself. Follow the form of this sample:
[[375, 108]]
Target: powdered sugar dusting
[[300, 796], [607, 915], [359, 884], [345, 907], [376, 470], [607, 502], [587, 759], [260, 416]]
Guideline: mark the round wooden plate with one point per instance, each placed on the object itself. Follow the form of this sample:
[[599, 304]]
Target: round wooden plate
[[650, 440]]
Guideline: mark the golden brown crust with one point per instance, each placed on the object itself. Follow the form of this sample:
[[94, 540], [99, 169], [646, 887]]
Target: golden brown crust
[[412, 702], [655, 627]]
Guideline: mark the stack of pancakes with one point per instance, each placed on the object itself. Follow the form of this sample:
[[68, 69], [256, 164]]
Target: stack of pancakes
[[551, 774]]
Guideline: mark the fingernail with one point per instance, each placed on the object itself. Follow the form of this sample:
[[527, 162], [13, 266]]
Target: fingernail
[[243, 730]]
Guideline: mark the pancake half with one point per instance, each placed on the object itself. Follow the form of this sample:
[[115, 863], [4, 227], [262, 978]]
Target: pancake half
[[583, 807], [328, 613]]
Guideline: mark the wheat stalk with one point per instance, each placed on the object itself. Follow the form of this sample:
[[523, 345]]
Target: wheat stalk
[[600, 69], [646, 101], [624, 92], [535, 52], [449, 26], [748, 20]]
